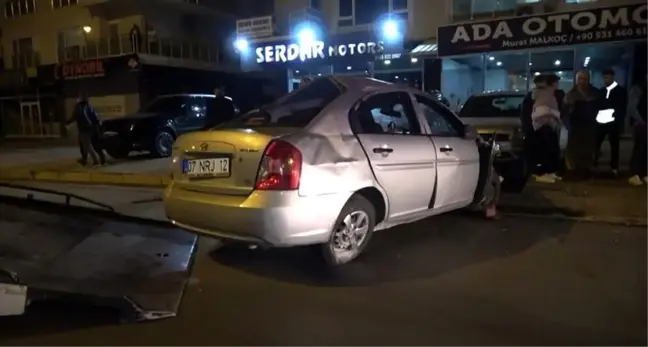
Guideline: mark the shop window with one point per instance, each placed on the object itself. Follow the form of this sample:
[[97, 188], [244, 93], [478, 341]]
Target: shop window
[[63, 3], [506, 71], [558, 62], [17, 8], [597, 58], [461, 77]]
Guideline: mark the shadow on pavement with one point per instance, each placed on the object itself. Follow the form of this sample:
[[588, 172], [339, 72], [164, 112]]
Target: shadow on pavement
[[421, 250], [51, 317]]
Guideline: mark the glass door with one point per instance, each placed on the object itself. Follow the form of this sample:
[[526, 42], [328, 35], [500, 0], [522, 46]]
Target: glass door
[[30, 119]]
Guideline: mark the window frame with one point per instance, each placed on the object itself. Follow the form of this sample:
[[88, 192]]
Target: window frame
[[345, 18], [360, 105], [15, 5], [451, 118], [69, 3]]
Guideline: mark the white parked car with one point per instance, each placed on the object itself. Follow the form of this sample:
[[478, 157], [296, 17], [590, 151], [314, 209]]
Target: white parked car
[[327, 165]]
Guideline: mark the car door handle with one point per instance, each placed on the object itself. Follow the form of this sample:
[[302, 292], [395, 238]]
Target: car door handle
[[382, 150], [446, 149]]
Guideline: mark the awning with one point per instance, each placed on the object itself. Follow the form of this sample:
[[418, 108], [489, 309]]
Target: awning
[[425, 48]]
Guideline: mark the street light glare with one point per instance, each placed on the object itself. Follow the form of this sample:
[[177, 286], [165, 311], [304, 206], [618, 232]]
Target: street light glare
[[87, 29], [241, 45], [306, 36], [390, 29]]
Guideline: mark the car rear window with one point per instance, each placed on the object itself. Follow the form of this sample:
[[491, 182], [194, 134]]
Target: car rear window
[[492, 106], [296, 109]]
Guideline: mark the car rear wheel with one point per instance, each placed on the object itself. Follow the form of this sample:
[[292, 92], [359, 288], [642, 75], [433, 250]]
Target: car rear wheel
[[163, 144], [352, 231]]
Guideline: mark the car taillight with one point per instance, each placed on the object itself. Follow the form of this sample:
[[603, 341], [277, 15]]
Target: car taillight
[[280, 167]]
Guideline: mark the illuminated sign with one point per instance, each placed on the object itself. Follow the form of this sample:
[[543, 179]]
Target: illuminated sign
[[254, 27], [620, 23], [83, 69], [318, 50]]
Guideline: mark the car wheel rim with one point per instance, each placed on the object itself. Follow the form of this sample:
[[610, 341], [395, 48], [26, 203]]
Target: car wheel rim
[[164, 143], [350, 235]]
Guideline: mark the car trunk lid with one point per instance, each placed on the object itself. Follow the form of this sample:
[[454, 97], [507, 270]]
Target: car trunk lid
[[243, 147]]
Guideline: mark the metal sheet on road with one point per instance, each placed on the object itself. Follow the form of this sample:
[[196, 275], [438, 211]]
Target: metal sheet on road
[[77, 251]]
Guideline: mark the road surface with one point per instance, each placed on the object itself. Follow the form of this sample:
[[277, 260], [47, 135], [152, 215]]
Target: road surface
[[450, 280]]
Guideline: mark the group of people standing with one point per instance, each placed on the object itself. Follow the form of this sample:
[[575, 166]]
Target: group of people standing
[[587, 116]]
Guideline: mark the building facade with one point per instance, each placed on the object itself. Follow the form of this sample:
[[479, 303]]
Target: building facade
[[114, 51], [501, 45], [390, 39]]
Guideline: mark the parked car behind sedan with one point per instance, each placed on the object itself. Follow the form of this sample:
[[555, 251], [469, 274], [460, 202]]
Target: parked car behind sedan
[[156, 126], [326, 165], [497, 114]]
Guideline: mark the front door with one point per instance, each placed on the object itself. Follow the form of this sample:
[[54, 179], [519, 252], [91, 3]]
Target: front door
[[402, 159], [457, 157], [31, 123]]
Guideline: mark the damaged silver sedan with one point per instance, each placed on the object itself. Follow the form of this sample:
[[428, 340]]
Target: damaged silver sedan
[[327, 165]]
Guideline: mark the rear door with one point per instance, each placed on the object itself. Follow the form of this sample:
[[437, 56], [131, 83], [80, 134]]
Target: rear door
[[457, 157], [401, 157], [196, 113]]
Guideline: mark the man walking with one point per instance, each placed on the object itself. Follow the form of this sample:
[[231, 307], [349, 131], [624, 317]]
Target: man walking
[[610, 118], [88, 124], [222, 109], [638, 111]]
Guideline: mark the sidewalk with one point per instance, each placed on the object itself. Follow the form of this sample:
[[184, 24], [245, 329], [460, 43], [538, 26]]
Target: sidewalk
[[59, 164], [605, 201]]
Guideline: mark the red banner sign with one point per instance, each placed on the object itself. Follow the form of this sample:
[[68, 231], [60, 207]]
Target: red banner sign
[[82, 69]]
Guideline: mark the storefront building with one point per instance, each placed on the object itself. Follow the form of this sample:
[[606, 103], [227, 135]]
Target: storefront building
[[505, 54], [360, 53], [392, 40]]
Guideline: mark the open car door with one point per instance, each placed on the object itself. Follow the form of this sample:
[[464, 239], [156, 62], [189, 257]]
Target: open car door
[[101, 257]]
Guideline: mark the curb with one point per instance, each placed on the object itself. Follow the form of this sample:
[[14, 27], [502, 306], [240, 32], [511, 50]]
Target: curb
[[108, 178]]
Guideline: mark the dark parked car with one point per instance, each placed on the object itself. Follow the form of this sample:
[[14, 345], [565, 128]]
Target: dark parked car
[[157, 125], [497, 114]]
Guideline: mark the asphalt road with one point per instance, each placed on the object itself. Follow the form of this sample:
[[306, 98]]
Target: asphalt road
[[450, 280]]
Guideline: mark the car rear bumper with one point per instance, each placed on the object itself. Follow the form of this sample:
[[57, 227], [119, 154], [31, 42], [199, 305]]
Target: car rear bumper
[[271, 218]]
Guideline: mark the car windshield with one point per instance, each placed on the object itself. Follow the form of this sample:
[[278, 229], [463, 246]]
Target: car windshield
[[164, 103], [492, 106], [296, 109]]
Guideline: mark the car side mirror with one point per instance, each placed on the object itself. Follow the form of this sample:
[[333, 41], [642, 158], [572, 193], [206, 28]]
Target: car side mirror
[[470, 133]]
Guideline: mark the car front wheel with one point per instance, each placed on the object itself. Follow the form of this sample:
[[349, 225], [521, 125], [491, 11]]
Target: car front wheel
[[351, 233], [163, 144]]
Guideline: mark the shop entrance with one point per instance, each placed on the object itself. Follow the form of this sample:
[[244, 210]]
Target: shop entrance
[[31, 122]]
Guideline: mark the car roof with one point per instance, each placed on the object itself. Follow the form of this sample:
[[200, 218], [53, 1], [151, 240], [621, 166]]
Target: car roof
[[499, 93], [191, 95], [368, 84]]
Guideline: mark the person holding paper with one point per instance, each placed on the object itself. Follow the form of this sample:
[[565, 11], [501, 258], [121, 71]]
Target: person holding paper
[[613, 102]]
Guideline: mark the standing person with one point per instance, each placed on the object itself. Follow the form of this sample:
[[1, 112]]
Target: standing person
[[222, 109], [88, 124], [638, 108], [581, 109], [541, 121], [610, 118]]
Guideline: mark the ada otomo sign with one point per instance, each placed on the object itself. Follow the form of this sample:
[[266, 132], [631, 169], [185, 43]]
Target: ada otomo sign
[[283, 53], [617, 23]]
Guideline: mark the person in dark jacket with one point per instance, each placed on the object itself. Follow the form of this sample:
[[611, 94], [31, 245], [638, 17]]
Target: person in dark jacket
[[88, 124], [638, 109], [222, 110], [581, 108], [613, 101]]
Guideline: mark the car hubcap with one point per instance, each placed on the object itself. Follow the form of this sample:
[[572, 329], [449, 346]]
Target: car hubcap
[[164, 143], [349, 235]]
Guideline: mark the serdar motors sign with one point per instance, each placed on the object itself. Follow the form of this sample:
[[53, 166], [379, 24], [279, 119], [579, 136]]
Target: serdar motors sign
[[619, 23]]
